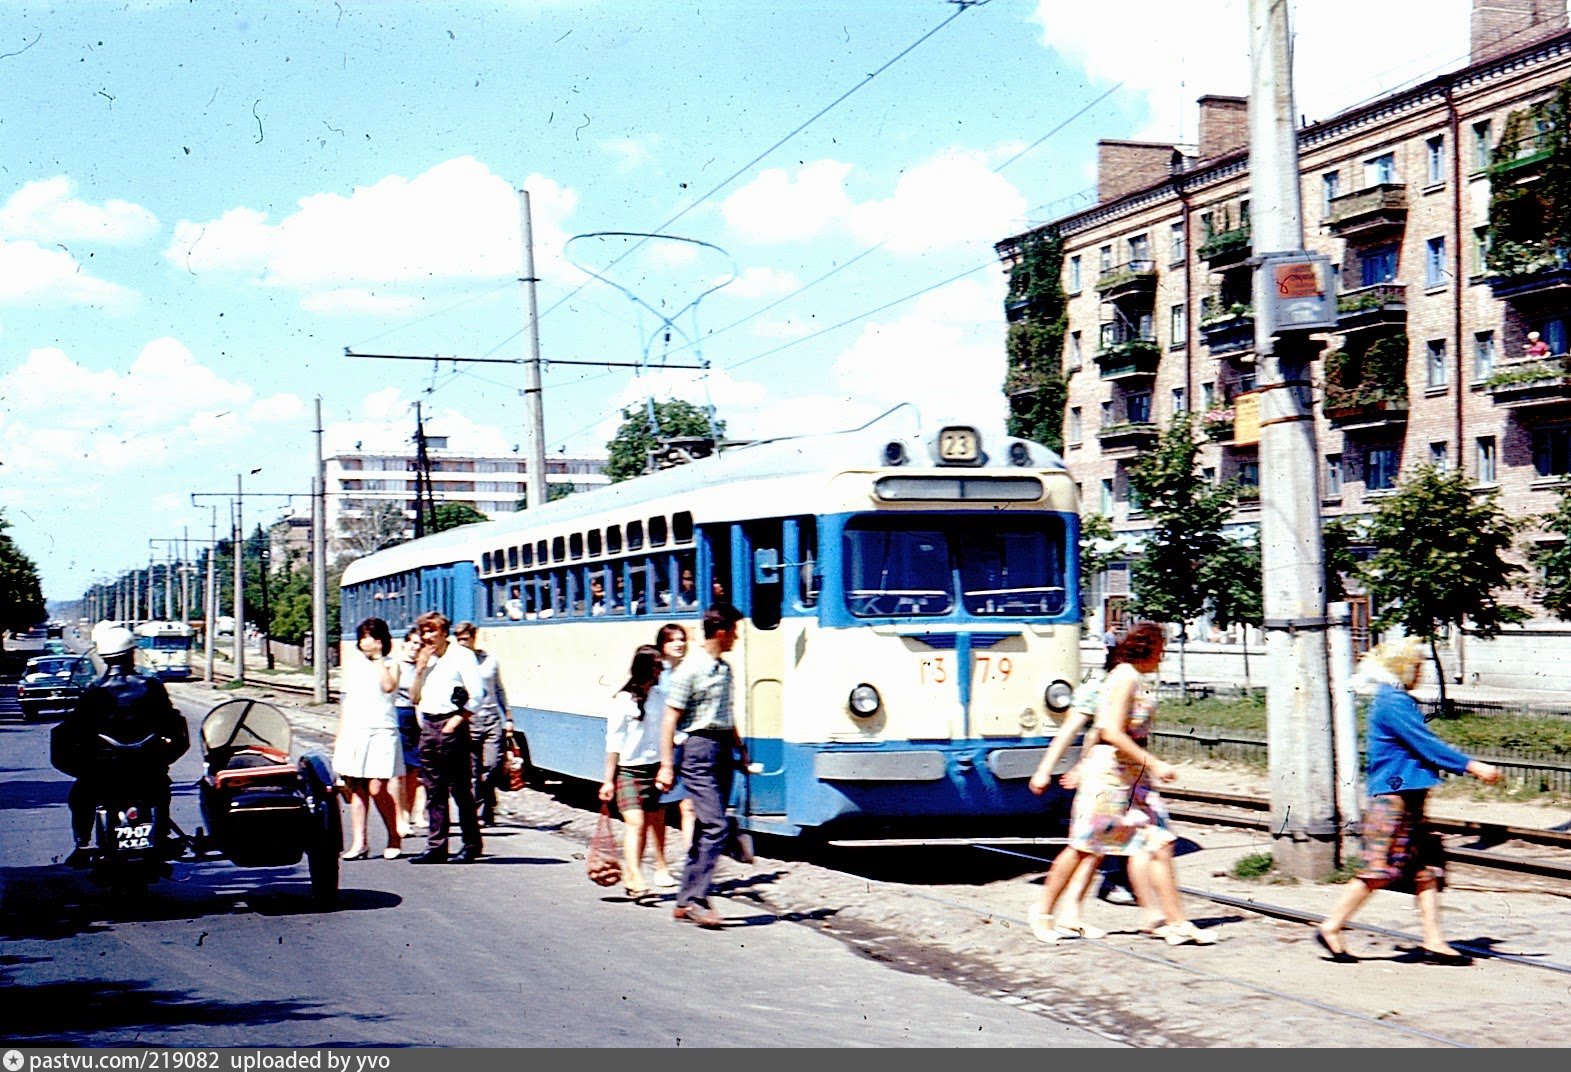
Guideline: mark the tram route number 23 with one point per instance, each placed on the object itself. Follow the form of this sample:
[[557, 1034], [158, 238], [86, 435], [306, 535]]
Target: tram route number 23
[[938, 669]]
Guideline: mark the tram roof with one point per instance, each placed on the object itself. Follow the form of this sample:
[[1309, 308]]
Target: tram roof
[[793, 456]]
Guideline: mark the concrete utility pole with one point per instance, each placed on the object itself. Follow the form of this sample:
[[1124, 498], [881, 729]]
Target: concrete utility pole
[[1298, 718], [319, 656], [239, 549], [534, 411], [211, 603]]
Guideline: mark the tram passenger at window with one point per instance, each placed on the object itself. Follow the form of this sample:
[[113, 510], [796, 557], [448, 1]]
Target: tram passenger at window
[[514, 607], [687, 588], [1404, 762]]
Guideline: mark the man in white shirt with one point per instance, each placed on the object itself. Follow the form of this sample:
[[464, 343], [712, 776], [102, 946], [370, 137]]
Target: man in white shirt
[[489, 728], [447, 690]]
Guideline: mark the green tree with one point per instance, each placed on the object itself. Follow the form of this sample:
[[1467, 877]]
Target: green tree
[[1098, 552], [1232, 577], [1438, 559], [553, 493], [1187, 512], [21, 595], [1553, 560], [1038, 311], [453, 514], [628, 450]]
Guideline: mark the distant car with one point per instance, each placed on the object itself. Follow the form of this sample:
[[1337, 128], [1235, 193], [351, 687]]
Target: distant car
[[56, 647], [51, 684]]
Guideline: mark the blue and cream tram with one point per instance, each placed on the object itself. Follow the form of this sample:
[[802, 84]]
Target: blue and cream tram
[[912, 620]]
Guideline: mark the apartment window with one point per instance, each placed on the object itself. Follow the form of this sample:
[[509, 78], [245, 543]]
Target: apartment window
[[1480, 250], [1074, 275], [1207, 395], [1140, 248], [1435, 159], [1435, 262], [1333, 476], [1106, 255], [1483, 355], [1176, 231], [1208, 474], [1380, 169], [1438, 456], [1481, 145], [1180, 401], [1107, 498], [1107, 414], [1552, 450], [1437, 362], [1075, 357], [1249, 474], [1177, 329], [1380, 468], [1076, 429], [1208, 224], [1330, 186], [1138, 406], [1378, 266], [1486, 459]]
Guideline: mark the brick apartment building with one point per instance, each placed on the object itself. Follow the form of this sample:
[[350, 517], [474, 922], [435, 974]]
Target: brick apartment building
[[1397, 193]]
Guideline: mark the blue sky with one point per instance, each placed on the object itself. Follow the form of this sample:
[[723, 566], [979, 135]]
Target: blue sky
[[203, 204]]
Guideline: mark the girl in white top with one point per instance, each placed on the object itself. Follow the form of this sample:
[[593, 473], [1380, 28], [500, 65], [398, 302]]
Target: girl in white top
[[368, 753], [632, 744]]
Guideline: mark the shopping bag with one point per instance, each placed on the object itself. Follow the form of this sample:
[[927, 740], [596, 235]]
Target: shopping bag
[[602, 861], [513, 766]]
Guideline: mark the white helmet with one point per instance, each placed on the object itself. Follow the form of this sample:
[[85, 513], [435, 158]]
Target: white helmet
[[113, 640]]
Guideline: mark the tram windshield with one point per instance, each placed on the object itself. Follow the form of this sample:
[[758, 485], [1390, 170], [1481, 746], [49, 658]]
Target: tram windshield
[[896, 567]]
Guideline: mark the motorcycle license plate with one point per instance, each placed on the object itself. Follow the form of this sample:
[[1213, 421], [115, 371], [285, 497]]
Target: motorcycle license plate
[[134, 836]]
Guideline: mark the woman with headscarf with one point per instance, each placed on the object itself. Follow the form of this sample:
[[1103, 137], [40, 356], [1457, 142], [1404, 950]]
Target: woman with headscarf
[[1404, 762]]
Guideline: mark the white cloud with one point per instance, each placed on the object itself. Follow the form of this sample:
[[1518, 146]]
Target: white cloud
[[386, 423], [61, 418], [776, 207], [33, 275], [358, 301], [951, 200], [630, 153], [49, 211], [456, 221], [761, 282], [1345, 51]]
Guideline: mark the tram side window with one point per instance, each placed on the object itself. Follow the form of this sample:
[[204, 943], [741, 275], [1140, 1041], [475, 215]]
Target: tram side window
[[686, 581], [1015, 568], [719, 565], [810, 576]]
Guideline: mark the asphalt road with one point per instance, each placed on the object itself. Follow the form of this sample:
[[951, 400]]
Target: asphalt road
[[518, 950]]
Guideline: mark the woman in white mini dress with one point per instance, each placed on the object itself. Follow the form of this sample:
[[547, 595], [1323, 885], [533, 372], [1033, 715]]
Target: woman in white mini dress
[[368, 753]]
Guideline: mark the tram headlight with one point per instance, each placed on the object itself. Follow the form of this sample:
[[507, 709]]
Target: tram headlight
[[864, 700], [1058, 695]]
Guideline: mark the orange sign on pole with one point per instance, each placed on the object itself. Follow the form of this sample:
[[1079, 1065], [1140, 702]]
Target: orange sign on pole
[[1297, 280]]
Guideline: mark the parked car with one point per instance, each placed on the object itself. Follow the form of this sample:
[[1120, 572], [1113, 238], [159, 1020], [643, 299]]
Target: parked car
[[51, 684]]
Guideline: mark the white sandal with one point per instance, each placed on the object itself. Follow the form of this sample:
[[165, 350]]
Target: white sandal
[[1042, 926], [1080, 930], [1185, 933]]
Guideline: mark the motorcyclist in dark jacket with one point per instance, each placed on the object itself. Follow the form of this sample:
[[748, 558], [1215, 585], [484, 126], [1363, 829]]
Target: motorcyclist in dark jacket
[[126, 707]]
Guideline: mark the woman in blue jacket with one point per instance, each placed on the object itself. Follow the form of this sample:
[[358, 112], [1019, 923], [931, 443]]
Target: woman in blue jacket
[[1405, 760]]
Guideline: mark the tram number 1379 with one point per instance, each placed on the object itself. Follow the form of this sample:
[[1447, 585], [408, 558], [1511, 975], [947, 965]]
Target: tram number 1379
[[936, 669]]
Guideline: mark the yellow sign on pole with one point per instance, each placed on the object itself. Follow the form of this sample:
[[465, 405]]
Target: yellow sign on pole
[[1246, 419]]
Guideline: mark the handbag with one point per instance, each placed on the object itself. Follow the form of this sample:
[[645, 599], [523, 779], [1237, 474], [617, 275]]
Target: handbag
[[513, 766], [602, 861]]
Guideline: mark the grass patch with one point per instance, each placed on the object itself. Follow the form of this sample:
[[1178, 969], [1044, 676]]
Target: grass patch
[[1341, 873], [230, 686], [1255, 865], [1239, 713]]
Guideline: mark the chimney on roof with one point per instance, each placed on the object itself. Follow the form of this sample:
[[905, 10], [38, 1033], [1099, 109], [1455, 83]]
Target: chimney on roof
[[1502, 26], [1224, 124], [1122, 167]]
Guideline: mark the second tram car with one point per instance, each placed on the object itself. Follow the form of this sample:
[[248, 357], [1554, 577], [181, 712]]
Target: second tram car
[[163, 649], [912, 625]]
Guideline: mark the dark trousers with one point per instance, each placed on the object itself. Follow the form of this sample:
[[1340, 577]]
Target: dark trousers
[[706, 776], [445, 771], [87, 792]]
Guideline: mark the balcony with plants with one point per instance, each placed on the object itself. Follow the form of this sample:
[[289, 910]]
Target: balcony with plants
[[1217, 424], [1227, 327], [1133, 279], [1225, 245], [1127, 437], [1529, 254], [1534, 383], [1125, 355], [1380, 305], [1367, 390], [1373, 212]]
